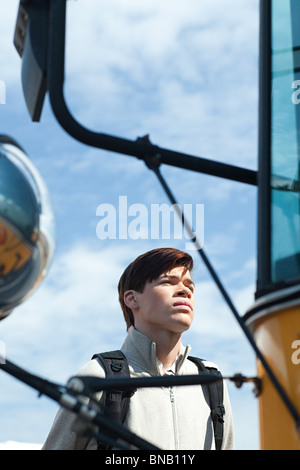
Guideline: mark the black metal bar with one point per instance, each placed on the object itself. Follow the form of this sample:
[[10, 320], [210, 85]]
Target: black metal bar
[[138, 148], [44, 387], [264, 173], [88, 385]]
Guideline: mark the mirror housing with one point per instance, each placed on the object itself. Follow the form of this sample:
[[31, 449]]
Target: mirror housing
[[26, 226]]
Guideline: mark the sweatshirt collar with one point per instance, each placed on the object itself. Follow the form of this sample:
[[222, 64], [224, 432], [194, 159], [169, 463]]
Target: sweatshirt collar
[[141, 349]]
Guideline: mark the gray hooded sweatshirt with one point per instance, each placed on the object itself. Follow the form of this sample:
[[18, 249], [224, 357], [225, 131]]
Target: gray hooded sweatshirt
[[175, 418]]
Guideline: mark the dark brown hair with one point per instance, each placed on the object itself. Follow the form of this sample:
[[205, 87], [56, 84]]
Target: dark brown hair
[[146, 268]]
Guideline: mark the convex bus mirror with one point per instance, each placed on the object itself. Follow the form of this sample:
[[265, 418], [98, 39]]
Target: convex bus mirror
[[26, 226]]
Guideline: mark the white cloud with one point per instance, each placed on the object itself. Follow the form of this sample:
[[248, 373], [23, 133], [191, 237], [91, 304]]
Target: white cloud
[[12, 445]]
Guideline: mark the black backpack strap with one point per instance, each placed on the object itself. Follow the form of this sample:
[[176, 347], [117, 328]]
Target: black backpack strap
[[215, 400], [117, 401]]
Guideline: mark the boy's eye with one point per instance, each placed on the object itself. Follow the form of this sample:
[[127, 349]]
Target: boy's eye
[[170, 282]]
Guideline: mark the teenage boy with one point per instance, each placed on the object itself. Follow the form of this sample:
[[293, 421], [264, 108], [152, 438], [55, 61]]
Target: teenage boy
[[156, 293]]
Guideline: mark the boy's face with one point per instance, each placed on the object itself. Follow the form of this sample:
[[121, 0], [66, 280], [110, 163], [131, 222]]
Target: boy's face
[[166, 303]]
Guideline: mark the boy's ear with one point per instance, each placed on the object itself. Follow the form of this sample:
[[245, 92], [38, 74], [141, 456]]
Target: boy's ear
[[130, 299]]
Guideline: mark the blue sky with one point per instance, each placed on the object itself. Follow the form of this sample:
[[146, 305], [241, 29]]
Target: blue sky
[[186, 73]]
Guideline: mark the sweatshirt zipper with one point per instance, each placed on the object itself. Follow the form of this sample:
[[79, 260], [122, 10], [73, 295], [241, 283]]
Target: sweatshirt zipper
[[174, 415]]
